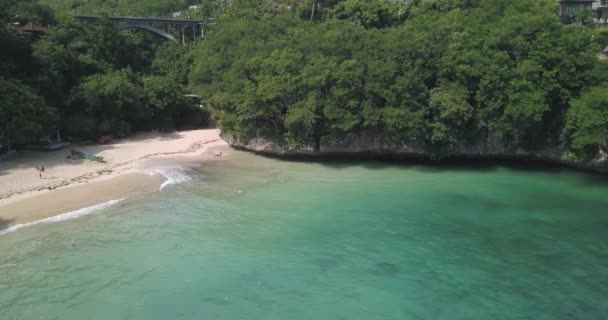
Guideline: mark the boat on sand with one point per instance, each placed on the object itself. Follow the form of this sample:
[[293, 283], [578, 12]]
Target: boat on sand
[[85, 156]]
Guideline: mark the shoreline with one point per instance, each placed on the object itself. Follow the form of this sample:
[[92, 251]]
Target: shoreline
[[73, 185], [455, 161], [83, 171], [72, 198], [113, 171], [370, 145], [140, 173]]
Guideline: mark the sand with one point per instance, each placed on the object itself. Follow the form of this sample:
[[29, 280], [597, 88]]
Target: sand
[[67, 199], [72, 184]]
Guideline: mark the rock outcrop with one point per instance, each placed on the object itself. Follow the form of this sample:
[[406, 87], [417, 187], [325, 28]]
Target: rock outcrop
[[371, 145]]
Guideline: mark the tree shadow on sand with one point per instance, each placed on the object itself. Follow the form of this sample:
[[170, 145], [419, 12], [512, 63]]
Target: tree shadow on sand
[[32, 159], [5, 223]]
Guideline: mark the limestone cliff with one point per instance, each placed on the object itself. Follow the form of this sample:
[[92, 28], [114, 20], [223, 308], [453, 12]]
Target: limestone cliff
[[376, 145]]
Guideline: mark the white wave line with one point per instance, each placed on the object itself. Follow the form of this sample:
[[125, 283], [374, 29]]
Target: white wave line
[[64, 216]]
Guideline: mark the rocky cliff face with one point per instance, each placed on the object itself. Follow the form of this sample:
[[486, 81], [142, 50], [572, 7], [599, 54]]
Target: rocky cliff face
[[373, 145]]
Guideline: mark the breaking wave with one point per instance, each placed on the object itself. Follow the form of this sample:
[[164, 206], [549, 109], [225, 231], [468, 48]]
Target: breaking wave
[[173, 175], [64, 216]]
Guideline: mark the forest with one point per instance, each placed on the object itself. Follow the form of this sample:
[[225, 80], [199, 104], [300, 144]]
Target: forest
[[438, 72], [88, 80]]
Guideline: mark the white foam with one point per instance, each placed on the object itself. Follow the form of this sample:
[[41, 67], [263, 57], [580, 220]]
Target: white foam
[[64, 216], [174, 175]]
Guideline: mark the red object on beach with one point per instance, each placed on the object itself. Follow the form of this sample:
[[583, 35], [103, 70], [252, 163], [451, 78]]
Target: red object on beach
[[105, 139]]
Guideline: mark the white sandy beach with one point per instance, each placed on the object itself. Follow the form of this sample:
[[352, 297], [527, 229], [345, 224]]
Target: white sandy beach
[[23, 193]]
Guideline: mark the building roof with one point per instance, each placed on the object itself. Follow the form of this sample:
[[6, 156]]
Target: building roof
[[605, 51], [32, 27]]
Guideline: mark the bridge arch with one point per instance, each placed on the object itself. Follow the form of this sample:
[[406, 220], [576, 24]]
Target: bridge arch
[[149, 24], [147, 27]]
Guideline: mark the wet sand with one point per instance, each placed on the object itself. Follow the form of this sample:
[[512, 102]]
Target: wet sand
[[72, 198]]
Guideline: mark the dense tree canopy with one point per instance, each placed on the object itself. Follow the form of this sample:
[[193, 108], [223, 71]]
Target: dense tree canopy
[[442, 73], [437, 72], [123, 7], [588, 120], [23, 113], [87, 80]]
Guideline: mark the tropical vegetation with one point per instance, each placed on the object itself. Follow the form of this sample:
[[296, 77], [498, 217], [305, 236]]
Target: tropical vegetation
[[440, 73], [88, 80]]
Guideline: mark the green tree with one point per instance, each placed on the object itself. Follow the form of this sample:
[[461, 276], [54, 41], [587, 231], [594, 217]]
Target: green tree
[[64, 56], [174, 61], [115, 99], [29, 11], [370, 13], [24, 115], [16, 54], [450, 112], [585, 17], [170, 109], [587, 122], [123, 7], [442, 73], [100, 79]]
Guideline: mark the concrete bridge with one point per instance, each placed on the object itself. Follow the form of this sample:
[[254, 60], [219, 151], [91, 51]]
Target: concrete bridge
[[172, 29]]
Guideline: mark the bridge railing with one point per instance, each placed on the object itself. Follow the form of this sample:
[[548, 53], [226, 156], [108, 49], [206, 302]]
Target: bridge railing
[[138, 18]]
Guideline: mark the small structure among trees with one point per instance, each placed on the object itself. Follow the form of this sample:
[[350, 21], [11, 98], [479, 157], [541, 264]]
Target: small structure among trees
[[583, 11], [602, 8], [32, 27]]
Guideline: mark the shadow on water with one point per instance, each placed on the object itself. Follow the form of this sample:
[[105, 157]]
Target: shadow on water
[[487, 205], [596, 179], [5, 223], [425, 164], [385, 268], [328, 263]]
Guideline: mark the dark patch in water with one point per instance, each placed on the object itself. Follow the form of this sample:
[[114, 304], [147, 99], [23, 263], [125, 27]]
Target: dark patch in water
[[493, 205], [385, 269], [468, 200], [327, 263], [217, 300], [352, 295]]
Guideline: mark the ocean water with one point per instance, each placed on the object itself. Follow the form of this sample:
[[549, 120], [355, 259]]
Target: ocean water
[[254, 238]]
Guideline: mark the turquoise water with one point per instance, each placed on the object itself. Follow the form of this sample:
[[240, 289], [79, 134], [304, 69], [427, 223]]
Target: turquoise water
[[254, 238]]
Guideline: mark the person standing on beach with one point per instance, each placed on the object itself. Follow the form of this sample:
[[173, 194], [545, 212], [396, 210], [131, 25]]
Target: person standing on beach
[[40, 171]]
